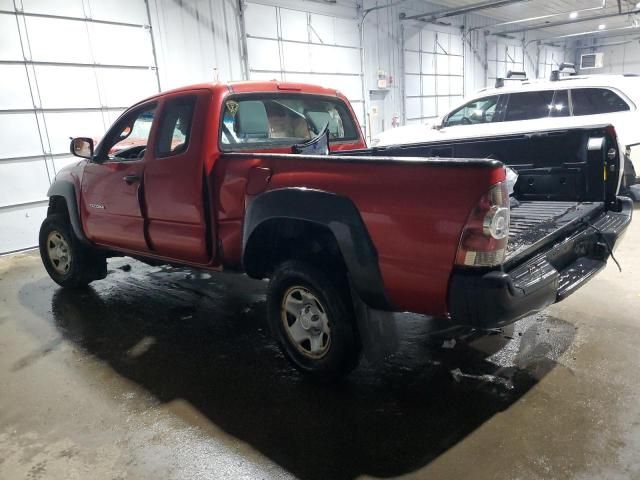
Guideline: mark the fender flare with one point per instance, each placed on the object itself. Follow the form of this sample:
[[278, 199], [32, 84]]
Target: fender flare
[[66, 190], [341, 217]]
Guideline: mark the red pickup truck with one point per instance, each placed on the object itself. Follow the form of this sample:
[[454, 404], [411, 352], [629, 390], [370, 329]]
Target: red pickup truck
[[274, 179]]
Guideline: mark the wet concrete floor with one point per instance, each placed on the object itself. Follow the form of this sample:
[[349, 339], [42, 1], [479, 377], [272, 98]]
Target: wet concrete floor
[[166, 373]]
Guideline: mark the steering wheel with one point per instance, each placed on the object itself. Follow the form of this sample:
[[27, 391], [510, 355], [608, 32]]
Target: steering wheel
[[141, 154], [465, 121]]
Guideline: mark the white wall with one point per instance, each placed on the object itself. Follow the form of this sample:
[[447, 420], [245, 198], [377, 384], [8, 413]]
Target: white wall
[[621, 54], [383, 37], [194, 38], [67, 68], [66, 77]]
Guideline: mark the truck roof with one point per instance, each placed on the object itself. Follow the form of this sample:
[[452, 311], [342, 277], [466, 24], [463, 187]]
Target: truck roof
[[251, 86]]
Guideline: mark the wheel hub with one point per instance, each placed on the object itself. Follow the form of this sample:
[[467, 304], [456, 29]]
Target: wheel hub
[[310, 319], [306, 322], [59, 252]]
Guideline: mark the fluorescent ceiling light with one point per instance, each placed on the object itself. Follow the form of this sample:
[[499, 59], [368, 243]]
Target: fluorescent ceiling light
[[573, 15]]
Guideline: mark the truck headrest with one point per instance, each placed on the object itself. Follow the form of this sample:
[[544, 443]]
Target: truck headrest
[[252, 120], [319, 119]]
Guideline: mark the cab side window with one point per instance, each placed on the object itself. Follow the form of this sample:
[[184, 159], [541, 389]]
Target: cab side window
[[175, 126], [127, 140], [592, 101], [477, 111], [528, 105]]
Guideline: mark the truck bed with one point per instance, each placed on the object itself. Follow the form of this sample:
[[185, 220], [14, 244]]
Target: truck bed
[[535, 223]]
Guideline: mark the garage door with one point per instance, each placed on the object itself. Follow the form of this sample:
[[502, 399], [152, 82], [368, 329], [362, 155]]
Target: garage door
[[503, 56], [549, 59], [433, 73], [68, 68], [300, 46]]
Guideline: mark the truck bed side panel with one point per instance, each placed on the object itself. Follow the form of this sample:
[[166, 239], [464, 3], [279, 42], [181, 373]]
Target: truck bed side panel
[[414, 212]]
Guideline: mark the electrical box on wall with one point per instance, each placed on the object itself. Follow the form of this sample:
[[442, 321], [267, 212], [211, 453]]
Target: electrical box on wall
[[382, 79], [591, 60]]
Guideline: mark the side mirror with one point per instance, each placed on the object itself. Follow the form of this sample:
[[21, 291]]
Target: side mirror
[[82, 147]]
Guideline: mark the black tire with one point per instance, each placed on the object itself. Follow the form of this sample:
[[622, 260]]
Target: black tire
[[342, 352], [82, 264]]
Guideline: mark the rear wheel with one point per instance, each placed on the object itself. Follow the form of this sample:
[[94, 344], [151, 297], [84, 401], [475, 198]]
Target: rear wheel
[[66, 260], [312, 318]]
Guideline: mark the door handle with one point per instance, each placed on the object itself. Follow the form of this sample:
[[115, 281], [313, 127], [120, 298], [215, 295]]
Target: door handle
[[129, 179]]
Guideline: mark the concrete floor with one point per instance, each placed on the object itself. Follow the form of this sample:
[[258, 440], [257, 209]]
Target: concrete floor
[[162, 373]]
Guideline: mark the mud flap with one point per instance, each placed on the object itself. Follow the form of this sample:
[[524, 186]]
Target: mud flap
[[377, 330]]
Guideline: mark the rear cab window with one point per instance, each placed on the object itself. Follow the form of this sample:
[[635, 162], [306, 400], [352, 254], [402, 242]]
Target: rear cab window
[[268, 120], [594, 101]]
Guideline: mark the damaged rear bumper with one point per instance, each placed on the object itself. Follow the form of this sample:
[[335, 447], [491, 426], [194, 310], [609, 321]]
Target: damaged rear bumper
[[496, 298]]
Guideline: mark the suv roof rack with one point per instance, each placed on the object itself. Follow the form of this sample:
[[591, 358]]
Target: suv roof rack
[[563, 69], [511, 75]]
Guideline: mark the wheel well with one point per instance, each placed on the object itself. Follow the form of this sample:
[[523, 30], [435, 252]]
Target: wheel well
[[58, 204], [277, 240]]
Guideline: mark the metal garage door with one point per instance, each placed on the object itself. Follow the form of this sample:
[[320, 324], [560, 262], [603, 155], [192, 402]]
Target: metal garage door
[[549, 59], [68, 68], [299, 46], [503, 56], [433, 73]]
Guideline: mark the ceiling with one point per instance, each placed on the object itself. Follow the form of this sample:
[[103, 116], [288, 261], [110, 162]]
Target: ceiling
[[557, 11]]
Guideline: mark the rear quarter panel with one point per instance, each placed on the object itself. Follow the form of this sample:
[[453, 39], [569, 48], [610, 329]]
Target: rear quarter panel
[[414, 213]]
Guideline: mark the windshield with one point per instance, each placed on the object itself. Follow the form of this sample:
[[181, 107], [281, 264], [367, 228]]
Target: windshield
[[283, 120]]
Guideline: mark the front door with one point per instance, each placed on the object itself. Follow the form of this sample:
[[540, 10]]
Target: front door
[[112, 193]]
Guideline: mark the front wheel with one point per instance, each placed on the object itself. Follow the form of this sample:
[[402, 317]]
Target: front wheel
[[67, 262], [312, 318]]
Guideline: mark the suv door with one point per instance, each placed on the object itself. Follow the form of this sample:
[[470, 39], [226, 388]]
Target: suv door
[[596, 101], [111, 184], [528, 105], [176, 189], [480, 110], [603, 105]]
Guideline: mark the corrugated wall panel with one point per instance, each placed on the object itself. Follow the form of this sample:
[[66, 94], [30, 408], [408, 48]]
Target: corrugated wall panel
[[196, 41], [65, 67]]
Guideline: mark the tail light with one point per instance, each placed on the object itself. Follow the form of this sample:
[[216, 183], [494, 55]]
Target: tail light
[[483, 242]]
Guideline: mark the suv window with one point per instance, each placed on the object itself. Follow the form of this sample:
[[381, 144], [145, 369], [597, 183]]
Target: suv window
[[127, 140], [481, 110], [528, 105], [271, 120], [592, 101], [560, 105], [175, 126]]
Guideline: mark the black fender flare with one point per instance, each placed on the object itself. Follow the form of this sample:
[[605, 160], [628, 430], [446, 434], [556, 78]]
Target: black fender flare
[[66, 190], [341, 217]]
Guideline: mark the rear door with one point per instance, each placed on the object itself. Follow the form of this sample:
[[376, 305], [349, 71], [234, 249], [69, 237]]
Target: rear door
[[178, 221]]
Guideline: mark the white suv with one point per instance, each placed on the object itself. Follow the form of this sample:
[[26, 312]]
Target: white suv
[[525, 106]]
